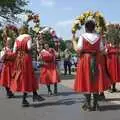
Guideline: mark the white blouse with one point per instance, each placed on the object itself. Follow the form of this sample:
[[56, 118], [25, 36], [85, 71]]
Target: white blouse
[[92, 38]]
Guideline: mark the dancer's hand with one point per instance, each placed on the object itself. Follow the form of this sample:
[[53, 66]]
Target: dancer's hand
[[74, 42]]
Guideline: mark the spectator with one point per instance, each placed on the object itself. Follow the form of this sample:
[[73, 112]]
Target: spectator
[[67, 61]]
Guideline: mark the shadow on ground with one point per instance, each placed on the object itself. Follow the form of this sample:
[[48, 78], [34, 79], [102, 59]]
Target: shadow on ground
[[66, 93], [67, 102], [110, 107], [112, 99]]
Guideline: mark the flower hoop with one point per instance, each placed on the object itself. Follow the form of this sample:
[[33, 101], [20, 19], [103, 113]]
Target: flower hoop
[[97, 16]]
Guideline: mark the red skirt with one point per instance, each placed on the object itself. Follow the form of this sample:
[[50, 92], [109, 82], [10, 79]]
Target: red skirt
[[49, 74], [5, 78], [113, 65], [84, 82], [24, 79]]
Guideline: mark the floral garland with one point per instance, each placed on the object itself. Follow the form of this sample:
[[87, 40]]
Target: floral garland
[[33, 17], [97, 16], [36, 19], [51, 32]]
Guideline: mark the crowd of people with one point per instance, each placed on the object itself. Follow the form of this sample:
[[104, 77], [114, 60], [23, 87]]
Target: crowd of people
[[97, 67], [17, 70]]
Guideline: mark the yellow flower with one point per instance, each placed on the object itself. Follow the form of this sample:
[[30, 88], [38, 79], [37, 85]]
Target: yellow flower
[[81, 18], [86, 14], [73, 30], [73, 25], [36, 29], [98, 29], [90, 13], [97, 14]]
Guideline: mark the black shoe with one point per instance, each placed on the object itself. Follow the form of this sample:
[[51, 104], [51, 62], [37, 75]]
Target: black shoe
[[25, 103], [96, 108], [113, 90], [37, 98], [55, 89], [101, 97], [10, 95], [55, 92], [50, 93], [86, 107]]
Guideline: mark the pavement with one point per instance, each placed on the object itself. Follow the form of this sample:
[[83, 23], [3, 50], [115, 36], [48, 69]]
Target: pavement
[[65, 106]]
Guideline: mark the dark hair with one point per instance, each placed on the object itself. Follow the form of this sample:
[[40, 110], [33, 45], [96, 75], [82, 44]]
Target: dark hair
[[90, 26]]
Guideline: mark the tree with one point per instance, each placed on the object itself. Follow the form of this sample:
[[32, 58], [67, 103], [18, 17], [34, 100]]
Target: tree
[[1, 39], [9, 9], [62, 45], [113, 34]]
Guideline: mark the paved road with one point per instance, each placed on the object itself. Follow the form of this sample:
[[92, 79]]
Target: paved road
[[65, 106]]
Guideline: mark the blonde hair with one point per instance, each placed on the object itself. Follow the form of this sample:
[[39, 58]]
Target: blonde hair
[[23, 30]]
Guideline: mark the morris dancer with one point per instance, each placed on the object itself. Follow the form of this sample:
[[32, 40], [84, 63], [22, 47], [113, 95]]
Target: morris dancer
[[6, 73], [113, 64], [23, 76], [48, 73], [91, 77]]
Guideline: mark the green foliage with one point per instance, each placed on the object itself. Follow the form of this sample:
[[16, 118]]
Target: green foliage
[[73, 51], [62, 45], [10, 33], [13, 36], [1, 39], [10, 8], [113, 34], [47, 37]]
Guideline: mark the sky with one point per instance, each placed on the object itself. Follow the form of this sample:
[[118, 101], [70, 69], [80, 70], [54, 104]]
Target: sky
[[60, 14]]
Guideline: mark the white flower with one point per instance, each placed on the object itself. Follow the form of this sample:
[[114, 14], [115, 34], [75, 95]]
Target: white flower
[[46, 29], [76, 22], [51, 30]]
